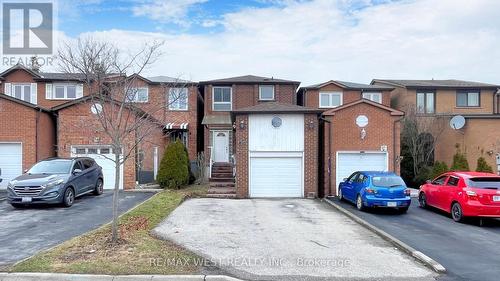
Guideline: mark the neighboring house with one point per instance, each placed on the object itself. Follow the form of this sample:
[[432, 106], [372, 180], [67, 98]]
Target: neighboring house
[[27, 135], [358, 130], [79, 133], [44, 89], [441, 100]]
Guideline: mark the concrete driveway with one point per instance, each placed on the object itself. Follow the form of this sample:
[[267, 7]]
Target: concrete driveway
[[24, 232], [289, 238], [468, 251]]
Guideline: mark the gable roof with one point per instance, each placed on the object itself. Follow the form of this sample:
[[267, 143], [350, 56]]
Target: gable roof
[[276, 107], [168, 79], [250, 79], [349, 86], [20, 67], [24, 103], [393, 111], [444, 84]]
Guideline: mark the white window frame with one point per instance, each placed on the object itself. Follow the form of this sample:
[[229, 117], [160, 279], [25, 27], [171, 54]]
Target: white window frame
[[22, 85], [330, 94], [222, 102], [175, 105], [65, 85], [260, 92], [135, 90], [371, 95]]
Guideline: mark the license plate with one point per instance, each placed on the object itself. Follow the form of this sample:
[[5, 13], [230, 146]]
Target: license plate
[[26, 199], [496, 198], [392, 204]]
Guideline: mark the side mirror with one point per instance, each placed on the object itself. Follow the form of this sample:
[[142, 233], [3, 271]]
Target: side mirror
[[76, 172], [344, 179], [428, 181]]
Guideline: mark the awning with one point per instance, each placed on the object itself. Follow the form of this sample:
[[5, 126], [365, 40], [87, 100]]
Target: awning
[[216, 120], [182, 126]]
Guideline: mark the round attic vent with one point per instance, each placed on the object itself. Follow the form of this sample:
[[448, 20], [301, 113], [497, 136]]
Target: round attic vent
[[276, 122]]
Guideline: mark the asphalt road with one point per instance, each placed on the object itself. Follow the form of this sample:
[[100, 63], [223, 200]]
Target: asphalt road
[[467, 250], [26, 231]]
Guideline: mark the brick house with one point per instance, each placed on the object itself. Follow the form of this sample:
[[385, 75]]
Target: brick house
[[441, 100], [358, 130]]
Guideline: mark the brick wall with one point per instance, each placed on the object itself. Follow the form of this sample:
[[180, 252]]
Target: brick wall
[[46, 130], [242, 158], [345, 136]]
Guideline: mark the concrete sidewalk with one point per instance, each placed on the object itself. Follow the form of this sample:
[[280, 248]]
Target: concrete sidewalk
[[89, 277], [292, 239]]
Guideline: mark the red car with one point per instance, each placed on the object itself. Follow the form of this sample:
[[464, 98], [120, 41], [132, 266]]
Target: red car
[[463, 194]]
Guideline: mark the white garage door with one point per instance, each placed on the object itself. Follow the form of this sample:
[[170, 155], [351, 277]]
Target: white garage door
[[350, 162], [11, 162], [102, 156], [276, 177]]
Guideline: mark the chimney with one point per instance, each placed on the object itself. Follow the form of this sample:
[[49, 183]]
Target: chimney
[[35, 66]]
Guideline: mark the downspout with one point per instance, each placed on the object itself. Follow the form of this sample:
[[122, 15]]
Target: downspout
[[329, 155], [394, 152], [38, 112], [496, 101]]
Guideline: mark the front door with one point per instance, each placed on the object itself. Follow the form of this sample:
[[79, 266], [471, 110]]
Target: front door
[[221, 146]]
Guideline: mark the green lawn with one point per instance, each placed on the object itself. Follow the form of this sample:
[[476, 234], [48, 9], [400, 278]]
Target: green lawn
[[134, 254]]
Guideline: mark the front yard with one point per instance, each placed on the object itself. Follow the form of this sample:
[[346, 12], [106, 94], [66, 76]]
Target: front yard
[[137, 253]]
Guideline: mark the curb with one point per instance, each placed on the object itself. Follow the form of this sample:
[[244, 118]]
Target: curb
[[434, 265], [84, 277]]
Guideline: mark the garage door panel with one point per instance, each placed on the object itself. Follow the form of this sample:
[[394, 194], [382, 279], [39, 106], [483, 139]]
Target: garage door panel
[[104, 160], [11, 162], [350, 162], [276, 177]]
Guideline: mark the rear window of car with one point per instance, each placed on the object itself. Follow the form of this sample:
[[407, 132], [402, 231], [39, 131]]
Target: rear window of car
[[484, 182], [388, 181]]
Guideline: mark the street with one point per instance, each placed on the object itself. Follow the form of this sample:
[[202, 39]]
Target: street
[[467, 250]]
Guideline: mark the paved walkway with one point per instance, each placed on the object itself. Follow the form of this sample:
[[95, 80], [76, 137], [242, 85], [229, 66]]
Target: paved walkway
[[289, 238]]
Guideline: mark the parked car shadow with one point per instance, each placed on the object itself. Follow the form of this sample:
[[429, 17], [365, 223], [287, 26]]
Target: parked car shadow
[[78, 200], [473, 221]]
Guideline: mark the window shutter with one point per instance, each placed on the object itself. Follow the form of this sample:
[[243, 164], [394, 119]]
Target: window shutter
[[33, 93], [48, 91], [8, 89], [79, 91]]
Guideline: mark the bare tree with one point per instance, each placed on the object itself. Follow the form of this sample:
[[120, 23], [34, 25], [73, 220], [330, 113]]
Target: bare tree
[[115, 99], [419, 134]]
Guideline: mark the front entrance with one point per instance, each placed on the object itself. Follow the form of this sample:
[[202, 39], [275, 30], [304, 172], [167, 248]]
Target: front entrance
[[221, 146]]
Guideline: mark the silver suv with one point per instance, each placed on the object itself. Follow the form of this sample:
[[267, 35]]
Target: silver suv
[[56, 181]]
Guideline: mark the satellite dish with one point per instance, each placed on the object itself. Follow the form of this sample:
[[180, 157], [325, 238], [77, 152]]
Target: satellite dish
[[457, 122]]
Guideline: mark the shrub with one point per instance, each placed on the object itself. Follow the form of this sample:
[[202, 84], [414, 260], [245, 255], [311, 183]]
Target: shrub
[[174, 171], [460, 162], [424, 175], [191, 178], [482, 166], [438, 169]]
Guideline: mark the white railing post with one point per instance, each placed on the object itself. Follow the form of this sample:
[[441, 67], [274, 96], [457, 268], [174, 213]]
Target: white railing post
[[211, 162]]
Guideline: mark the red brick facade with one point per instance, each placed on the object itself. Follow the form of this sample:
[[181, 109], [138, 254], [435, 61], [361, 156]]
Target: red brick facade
[[342, 134]]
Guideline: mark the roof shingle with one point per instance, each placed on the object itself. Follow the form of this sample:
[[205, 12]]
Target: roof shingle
[[276, 107], [249, 79], [448, 83]]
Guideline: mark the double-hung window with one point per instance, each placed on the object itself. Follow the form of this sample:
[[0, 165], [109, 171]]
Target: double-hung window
[[222, 100], [266, 92], [22, 92], [137, 94], [468, 98], [330, 99], [373, 96], [425, 102], [178, 98], [64, 91]]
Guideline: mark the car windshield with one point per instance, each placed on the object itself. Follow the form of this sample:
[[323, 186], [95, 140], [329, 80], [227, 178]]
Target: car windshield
[[388, 181], [51, 167], [485, 182]]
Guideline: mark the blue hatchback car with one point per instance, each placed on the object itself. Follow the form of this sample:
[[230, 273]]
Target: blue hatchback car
[[375, 189]]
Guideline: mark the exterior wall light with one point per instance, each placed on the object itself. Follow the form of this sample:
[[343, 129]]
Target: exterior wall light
[[242, 124]]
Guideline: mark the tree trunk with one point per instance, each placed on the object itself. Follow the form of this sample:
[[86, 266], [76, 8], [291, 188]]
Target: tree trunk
[[114, 224]]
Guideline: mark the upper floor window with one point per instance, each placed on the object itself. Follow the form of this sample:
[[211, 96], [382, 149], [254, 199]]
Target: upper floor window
[[222, 100], [266, 92], [330, 99], [22, 92], [467, 98], [425, 102], [64, 91], [178, 99], [137, 94], [376, 97]]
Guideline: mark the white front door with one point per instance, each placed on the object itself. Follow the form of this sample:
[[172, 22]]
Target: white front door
[[11, 162], [103, 156], [221, 146]]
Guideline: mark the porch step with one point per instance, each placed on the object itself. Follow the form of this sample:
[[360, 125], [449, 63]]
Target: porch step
[[222, 184], [227, 179], [222, 196], [221, 190], [222, 174]]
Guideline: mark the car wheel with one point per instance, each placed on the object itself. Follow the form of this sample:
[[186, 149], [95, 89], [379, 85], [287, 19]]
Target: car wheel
[[403, 210], [99, 187], [69, 197], [359, 203], [341, 196], [456, 212], [422, 200]]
